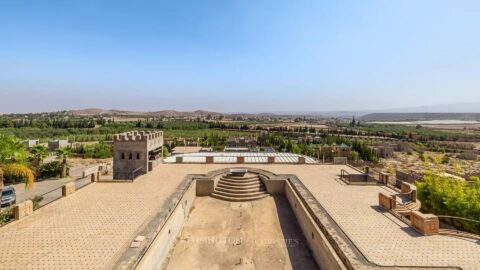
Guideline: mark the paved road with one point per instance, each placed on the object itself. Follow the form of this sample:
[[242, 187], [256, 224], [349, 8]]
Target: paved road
[[44, 186], [39, 188]]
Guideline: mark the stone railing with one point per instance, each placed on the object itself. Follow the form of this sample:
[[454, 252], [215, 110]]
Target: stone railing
[[242, 160], [357, 178], [426, 224]]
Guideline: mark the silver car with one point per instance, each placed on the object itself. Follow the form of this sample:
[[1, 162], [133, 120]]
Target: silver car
[[8, 197]]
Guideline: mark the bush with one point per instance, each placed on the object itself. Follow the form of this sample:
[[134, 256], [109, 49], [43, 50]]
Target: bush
[[36, 202], [98, 150], [6, 215], [451, 197], [445, 159], [51, 170]]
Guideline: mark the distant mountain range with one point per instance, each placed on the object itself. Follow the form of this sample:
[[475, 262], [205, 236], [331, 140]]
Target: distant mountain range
[[164, 113], [459, 111], [396, 117]]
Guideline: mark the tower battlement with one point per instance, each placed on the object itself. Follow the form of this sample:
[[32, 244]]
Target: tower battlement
[[138, 136]]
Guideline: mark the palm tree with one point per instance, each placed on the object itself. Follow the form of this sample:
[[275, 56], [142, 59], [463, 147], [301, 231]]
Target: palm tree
[[63, 154], [1, 180], [39, 153], [13, 160]]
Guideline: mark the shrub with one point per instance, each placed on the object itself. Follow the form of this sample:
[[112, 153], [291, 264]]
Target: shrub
[[99, 150], [6, 215], [452, 197], [36, 202], [51, 170]]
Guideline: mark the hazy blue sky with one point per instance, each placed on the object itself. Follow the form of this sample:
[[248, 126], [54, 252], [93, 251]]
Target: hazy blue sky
[[237, 55]]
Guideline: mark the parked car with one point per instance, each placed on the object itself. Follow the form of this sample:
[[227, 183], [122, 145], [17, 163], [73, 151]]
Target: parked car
[[9, 197]]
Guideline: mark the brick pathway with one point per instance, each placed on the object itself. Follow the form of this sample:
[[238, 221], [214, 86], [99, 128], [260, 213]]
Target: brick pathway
[[92, 228], [87, 230]]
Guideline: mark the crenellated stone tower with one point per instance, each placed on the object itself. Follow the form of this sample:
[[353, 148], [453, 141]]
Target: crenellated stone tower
[[136, 153]]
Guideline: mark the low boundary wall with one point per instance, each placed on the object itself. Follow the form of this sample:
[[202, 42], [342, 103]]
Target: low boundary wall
[[161, 245], [323, 253]]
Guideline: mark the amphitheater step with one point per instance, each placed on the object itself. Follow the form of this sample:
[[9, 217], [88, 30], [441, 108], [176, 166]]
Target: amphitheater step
[[240, 188], [239, 194], [240, 180], [224, 182], [239, 191], [231, 177], [236, 199], [459, 234], [406, 209]]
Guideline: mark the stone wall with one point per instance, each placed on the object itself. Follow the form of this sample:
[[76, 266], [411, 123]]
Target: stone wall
[[159, 249], [323, 253], [340, 160], [23, 209], [426, 224]]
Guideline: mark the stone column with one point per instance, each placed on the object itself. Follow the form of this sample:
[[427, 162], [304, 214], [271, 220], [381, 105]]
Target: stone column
[[426, 224], [68, 189], [240, 160], [301, 160], [23, 209]]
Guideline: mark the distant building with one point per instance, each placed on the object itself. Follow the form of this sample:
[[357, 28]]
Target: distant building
[[136, 153], [54, 145], [343, 150], [383, 151], [241, 142], [30, 143]]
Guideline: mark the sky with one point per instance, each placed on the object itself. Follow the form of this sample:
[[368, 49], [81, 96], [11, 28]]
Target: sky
[[237, 55]]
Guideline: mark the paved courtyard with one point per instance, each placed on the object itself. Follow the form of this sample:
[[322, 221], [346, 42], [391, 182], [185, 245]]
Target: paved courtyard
[[93, 227]]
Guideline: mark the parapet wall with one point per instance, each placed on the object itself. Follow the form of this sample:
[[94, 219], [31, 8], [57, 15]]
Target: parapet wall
[[323, 253], [138, 136]]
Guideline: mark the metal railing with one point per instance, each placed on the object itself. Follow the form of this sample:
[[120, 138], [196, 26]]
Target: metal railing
[[366, 178], [136, 173], [462, 224]]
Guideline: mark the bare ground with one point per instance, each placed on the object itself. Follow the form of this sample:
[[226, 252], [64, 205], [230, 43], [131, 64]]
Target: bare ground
[[262, 234]]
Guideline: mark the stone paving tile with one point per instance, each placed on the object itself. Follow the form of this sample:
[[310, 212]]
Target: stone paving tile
[[91, 228], [88, 229], [382, 238]]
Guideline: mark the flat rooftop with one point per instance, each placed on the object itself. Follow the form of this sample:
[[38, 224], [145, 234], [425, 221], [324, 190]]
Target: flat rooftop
[[93, 227], [230, 157]]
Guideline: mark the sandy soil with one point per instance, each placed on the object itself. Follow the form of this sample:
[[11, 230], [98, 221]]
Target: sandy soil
[[262, 234], [405, 162]]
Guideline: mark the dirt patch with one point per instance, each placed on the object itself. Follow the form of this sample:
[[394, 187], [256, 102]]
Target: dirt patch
[[262, 234]]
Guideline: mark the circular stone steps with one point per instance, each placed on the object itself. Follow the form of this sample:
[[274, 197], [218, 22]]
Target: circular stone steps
[[249, 183], [240, 188], [250, 190]]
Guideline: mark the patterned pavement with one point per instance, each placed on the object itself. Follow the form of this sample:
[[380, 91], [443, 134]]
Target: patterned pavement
[[93, 227]]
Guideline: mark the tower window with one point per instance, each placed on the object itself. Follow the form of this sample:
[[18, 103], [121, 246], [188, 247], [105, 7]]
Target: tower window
[[138, 155], [130, 156], [123, 155]]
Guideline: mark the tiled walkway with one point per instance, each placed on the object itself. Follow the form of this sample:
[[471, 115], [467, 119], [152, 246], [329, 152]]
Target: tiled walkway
[[87, 230], [92, 228]]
